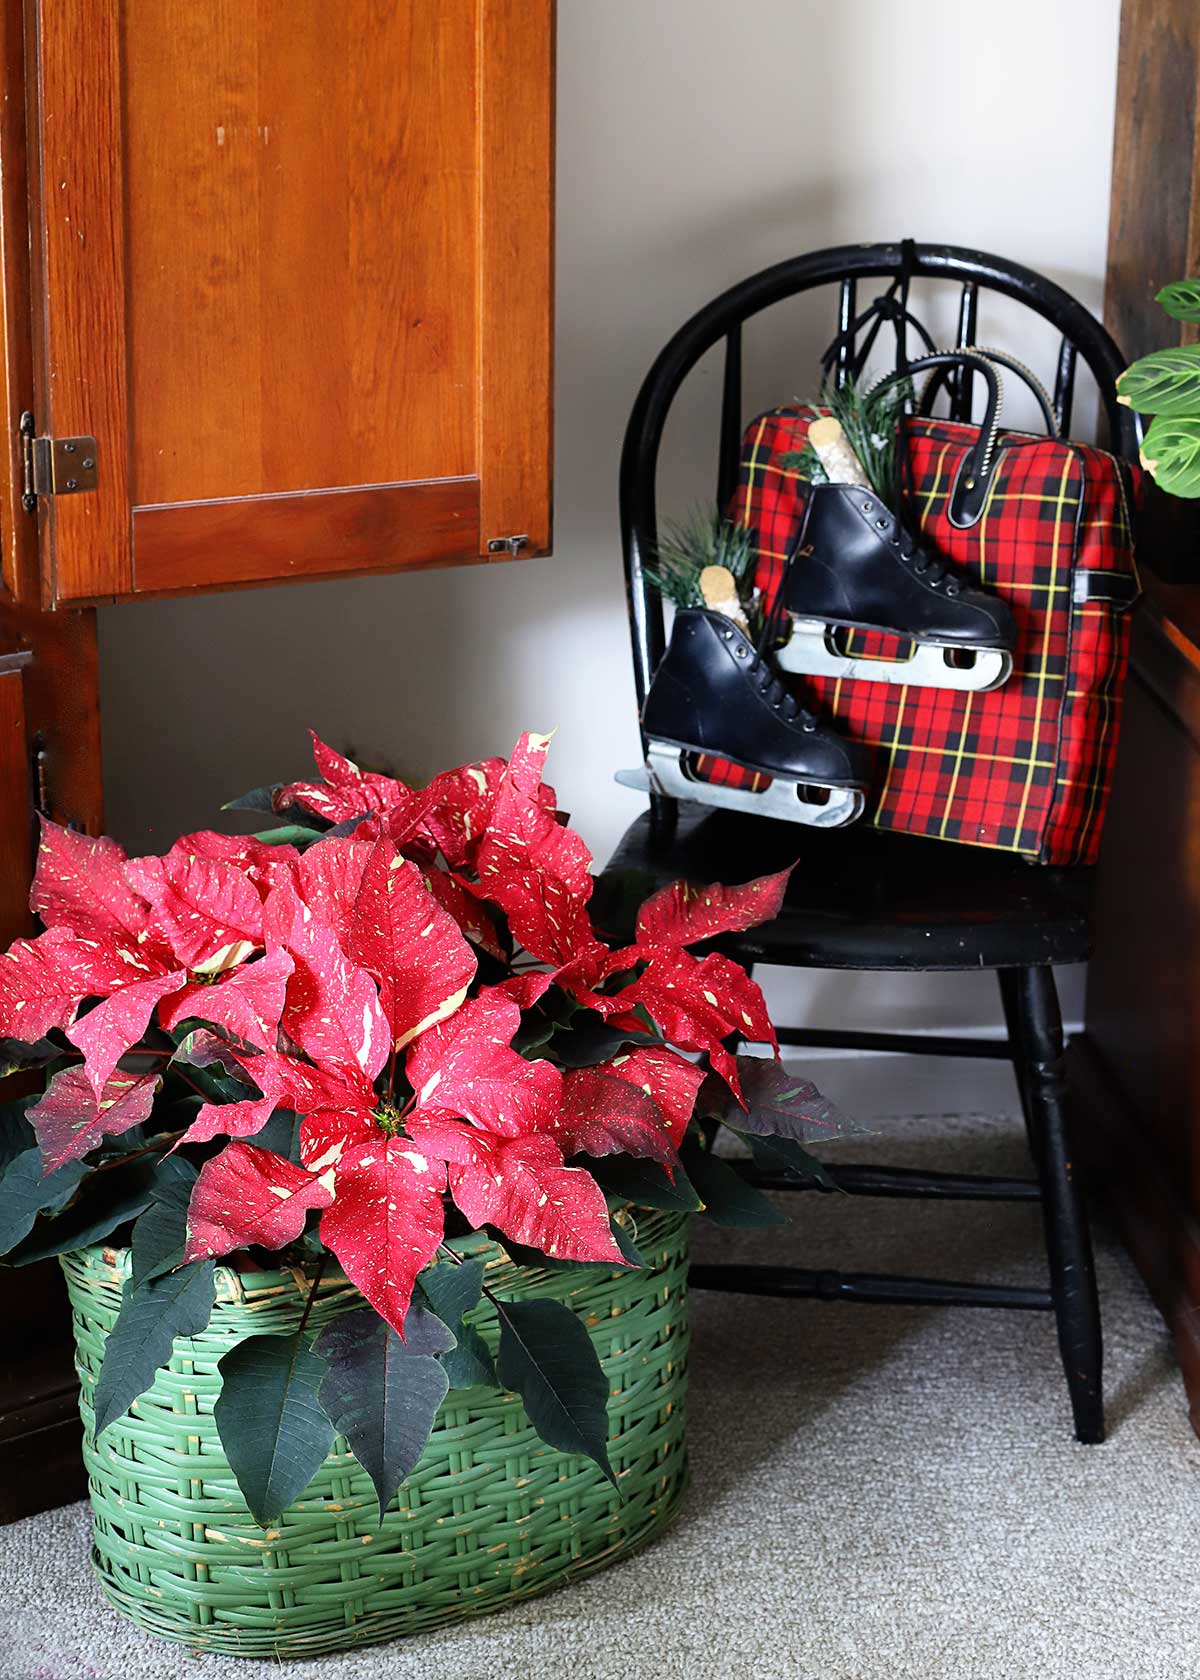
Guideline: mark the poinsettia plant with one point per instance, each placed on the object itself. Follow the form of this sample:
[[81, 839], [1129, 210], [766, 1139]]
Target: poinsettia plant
[[386, 1021]]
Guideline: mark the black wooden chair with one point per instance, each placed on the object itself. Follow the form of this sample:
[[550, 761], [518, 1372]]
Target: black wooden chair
[[871, 901]]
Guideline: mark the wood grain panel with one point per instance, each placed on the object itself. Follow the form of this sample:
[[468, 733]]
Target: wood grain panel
[[19, 566], [303, 244], [517, 270], [80, 267], [1154, 222], [318, 534]]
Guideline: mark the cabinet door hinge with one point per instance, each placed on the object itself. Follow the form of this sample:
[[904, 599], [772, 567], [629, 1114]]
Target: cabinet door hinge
[[54, 466], [508, 545]]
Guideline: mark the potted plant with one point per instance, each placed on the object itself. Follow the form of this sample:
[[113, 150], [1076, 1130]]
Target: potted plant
[[1166, 384], [369, 1161]]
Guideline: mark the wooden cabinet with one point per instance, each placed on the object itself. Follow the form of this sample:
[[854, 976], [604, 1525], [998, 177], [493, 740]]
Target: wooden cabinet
[[292, 272]]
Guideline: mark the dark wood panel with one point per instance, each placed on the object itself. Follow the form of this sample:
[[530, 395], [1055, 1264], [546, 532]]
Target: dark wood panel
[[517, 272], [19, 564], [201, 545], [16, 845], [1154, 222]]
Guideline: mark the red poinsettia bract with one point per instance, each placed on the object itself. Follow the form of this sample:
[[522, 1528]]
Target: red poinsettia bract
[[366, 983]]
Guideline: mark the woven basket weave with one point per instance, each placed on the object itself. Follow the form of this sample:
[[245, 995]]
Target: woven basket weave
[[489, 1516]]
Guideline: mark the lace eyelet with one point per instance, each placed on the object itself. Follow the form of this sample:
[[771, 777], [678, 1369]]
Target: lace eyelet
[[868, 507], [741, 652], [953, 588], [809, 726], [881, 524], [728, 635]]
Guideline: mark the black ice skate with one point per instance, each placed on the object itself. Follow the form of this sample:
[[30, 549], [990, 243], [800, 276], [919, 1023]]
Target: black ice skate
[[714, 693], [855, 568]]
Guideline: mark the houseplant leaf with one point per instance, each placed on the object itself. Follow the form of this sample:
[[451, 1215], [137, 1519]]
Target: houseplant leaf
[[160, 1234], [603, 1114], [1170, 453], [387, 1221], [103, 1202], [270, 1420], [645, 1184], [153, 1314], [25, 1192], [1181, 299], [1164, 382], [728, 1199], [383, 1393], [452, 1291], [70, 1119], [546, 1356]]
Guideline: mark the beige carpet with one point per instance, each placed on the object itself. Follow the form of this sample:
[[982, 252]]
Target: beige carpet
[[878, 1494]]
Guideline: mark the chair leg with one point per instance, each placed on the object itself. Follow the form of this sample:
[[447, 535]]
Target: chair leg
[[1072, 1275], [1009, 979]]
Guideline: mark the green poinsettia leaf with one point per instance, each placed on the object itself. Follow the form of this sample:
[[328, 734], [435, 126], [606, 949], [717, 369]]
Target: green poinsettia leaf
[[16, 1055], [160, 1234], [272, 1425], [382, 1393], [1164, 382], [546, 1356], [258, 799], [1171, 455], [152, 1315], [24, 1194], [16, 1134], [728, 1199], [780, 1154], [1181, 299], [644, 1183], [104, 1202], [452, 1291]]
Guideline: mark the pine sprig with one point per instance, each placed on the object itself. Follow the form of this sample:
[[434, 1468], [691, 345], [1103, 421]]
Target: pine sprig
[[704, 538], [870, 419]]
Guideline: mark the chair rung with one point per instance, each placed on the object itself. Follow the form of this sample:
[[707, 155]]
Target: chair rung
[[797, 1283], [906, 1182], [909, 1044]]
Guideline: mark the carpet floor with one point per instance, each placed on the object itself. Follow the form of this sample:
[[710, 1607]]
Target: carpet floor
[[877, 1494]]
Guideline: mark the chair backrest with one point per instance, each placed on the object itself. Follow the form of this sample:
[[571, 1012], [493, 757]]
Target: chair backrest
[[843, 266]]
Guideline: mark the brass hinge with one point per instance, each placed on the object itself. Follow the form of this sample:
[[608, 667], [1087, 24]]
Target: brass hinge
[[508, 545], [54, 466]]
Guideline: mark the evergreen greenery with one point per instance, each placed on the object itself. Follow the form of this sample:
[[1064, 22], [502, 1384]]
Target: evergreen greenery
[[705, 538], [870, 418]]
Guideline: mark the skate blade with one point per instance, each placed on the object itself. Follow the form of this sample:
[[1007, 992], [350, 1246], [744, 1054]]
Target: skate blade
[[665, 772], [812, 652]]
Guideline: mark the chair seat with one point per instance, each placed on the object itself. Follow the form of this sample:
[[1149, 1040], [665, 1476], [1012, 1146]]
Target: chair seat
[[862, 899]]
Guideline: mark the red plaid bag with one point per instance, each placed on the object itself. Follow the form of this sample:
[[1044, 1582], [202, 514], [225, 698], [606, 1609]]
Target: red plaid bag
[[1025, 768]]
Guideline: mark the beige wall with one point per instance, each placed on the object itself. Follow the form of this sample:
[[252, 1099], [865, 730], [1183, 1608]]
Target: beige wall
[[698, 141]]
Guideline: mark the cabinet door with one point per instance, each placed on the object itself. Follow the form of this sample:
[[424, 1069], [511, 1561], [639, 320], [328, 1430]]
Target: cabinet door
[[293, 274]]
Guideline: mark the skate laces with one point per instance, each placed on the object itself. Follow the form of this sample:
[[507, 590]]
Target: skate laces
[[779, 698]]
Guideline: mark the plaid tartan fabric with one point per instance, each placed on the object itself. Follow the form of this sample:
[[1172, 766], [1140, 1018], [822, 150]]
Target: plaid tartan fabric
[[1025, 768]]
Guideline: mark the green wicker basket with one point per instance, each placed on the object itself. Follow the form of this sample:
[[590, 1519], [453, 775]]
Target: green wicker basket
[[489, 1516]]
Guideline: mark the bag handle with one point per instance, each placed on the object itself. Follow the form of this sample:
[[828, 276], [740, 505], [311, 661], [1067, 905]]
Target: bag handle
[[974, 478]]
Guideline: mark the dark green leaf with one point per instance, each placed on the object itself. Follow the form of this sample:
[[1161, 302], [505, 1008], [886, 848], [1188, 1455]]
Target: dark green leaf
[[258, 799], [644, 1183], [546, 1356], [382, 1393], [16, 1134], [152, 1315], [281, 1135], [616, 899], [1181, 299], [591, 1040], [24, 1193], [106, 1200], [160, 1234], [1171, 455], [271, 1422], [452, 1291], [1164, 382], [728, 1199], [625, 1242], [15, 1054], [785, 1154]]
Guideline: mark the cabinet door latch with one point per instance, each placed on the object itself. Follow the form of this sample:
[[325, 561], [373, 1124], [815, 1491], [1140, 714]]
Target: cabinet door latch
[[508, 545], [54, 466]]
